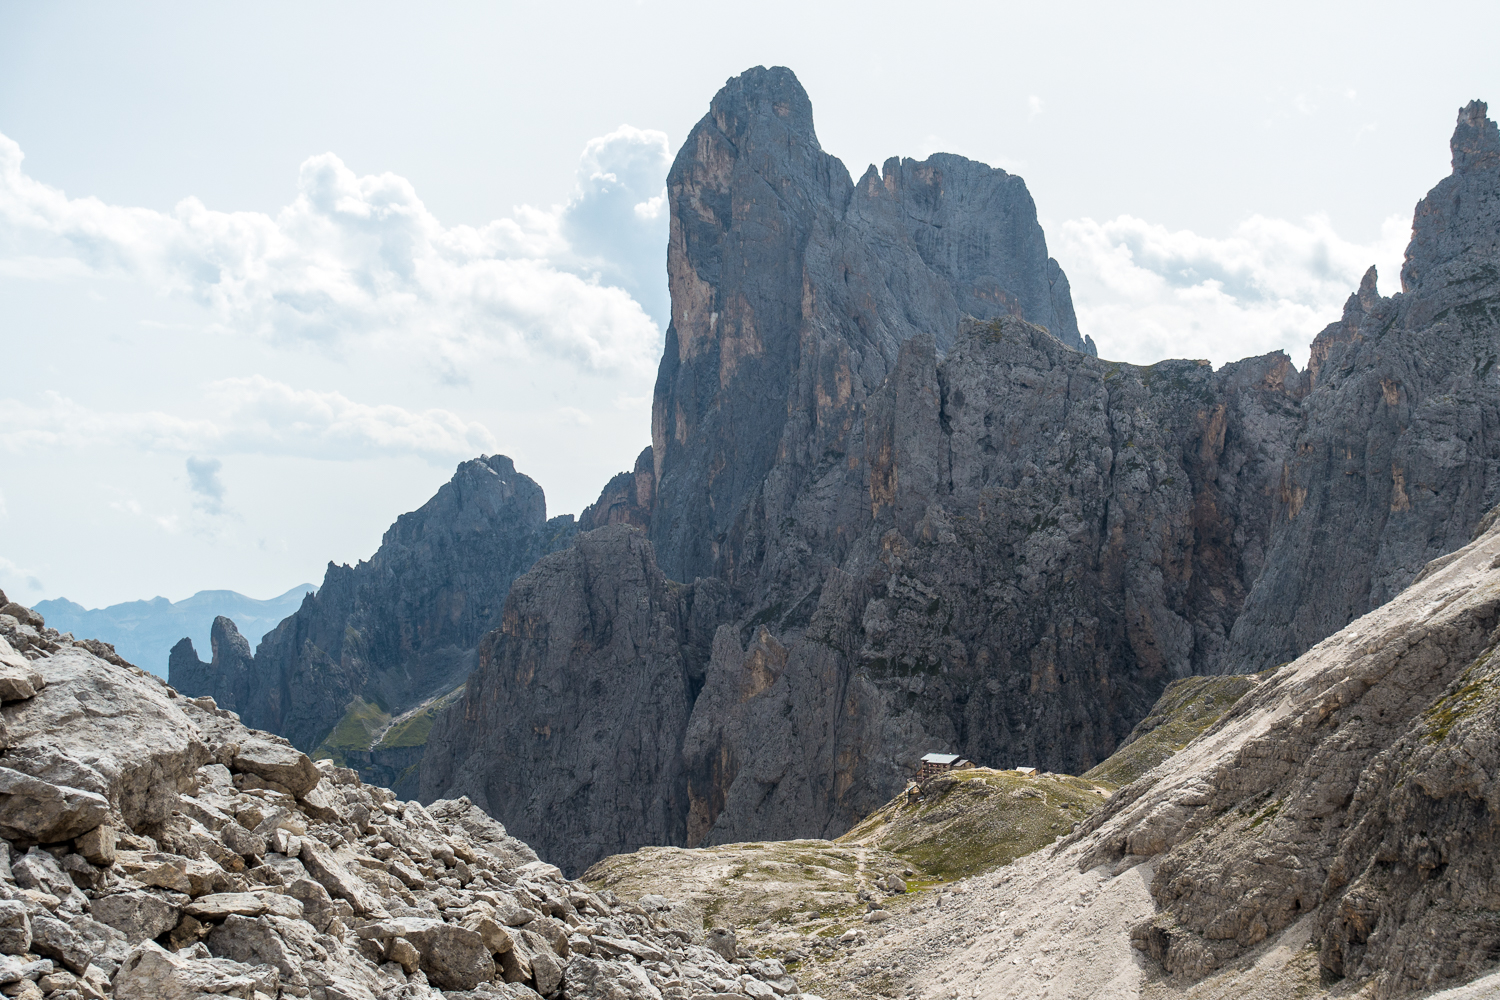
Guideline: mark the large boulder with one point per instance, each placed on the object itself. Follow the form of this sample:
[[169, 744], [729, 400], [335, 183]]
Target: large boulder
[[279, 762], [153, 973], [453, 957], [38, 812], [77, 942], [110, 730], [19, 679], [591, 979], [139, 915], [324, 866], [15, 928]]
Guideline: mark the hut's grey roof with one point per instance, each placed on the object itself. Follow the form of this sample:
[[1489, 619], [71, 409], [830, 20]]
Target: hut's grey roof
[[940, 758]]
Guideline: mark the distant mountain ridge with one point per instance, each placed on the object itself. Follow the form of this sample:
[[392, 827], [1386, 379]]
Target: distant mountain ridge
[[144, 632]]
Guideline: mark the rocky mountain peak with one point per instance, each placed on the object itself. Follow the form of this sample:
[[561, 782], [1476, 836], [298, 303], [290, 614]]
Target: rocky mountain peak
[[395, 630], [1476, 140], [1346, 329], [1459, 220], [761, 101], [793, 292]]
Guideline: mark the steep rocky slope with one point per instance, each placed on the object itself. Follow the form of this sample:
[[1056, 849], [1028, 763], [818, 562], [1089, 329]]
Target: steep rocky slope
[[1333, 834], [154, 848], [395, 630]]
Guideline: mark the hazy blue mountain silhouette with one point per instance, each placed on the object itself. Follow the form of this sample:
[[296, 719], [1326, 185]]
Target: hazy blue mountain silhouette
[[144, 631]]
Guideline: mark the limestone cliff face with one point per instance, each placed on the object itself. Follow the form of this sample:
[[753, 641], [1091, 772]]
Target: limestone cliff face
[[1398, 454], [625, 499], [1036, 543], [938, 532], [401, 627], [793, 289], [572, 725]]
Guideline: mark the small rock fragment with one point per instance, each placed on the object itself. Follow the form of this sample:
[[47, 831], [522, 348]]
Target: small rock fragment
[[98, 845]]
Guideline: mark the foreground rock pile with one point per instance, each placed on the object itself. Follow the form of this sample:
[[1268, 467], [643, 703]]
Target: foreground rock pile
[[155, 848]]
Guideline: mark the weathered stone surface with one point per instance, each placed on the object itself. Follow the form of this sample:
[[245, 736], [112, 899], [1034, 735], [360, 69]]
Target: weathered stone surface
[[194, 876], [546, 965], [453, 957], [592, 979], [37, 811], [39, 870], [625, 499], [274, 761], [140, 916], [13, 660], [324, 866], [722, 941], [15, 928], [496, 938], [484, 831], [217, 906], [608, 597], [252, 942], [75, 943], [135, 744], [98, 845], [19, 680], [404, 954], [242, 841], [153, 973], [23, 614]]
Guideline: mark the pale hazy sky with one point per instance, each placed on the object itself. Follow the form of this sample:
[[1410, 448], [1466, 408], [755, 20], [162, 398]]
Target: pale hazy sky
[[268, 272]]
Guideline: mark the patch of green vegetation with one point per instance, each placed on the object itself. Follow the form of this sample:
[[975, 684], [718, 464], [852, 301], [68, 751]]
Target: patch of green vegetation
[[1269, 812], [355, 731], [970, 821], [1449, 710], [414, 730], [1186, 709]]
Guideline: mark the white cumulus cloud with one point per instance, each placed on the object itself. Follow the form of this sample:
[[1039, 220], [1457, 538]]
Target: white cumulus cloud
[[1145, 292], [361, 257], [253, 415]]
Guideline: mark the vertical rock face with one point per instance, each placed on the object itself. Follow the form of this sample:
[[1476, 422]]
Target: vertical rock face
[[793, 289], [397, 629], [1041, 542], [572, 725], [1398, 454]]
